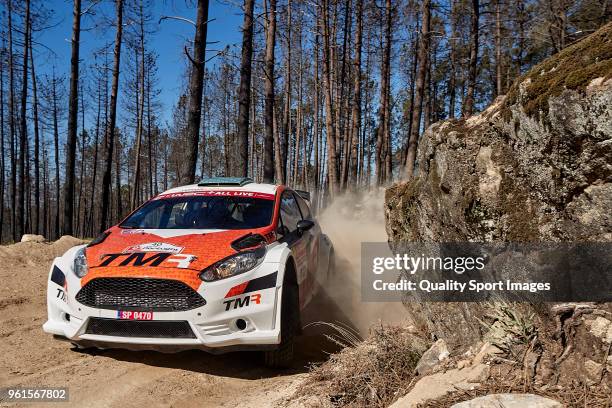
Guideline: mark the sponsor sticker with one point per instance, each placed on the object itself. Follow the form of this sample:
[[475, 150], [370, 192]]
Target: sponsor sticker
[[155, 247], [134, 315], [218, 193], [132, 231]]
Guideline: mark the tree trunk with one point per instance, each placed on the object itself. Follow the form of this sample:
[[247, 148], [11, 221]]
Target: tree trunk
[[118, 197], [108, 163], [79, 228], [136, 187], [420, 88], [268, 170], [332, 167], [316, 165], [11, 106], [499, 90], [23, 137], [287, 125], [196, 82], [356, 111], [244, 93], [57, 161], [73, 108], [90, 220], [2, 148], [383, 158], [36, 223], [388, 45], [468, 108], [452, 81]]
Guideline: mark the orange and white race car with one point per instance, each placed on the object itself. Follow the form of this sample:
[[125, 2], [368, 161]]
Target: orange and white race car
[[226, 264]]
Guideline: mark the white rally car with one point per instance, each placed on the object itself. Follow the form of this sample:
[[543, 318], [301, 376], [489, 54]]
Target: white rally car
[[223, 265]]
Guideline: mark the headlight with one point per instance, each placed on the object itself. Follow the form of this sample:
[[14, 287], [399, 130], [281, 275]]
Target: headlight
[[80, 263], [234, 265]]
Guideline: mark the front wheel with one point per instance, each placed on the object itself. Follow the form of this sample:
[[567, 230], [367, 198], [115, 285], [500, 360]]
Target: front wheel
[[282, 357]]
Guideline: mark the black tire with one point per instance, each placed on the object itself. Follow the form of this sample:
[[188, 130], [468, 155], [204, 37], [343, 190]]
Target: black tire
[[282, 357]]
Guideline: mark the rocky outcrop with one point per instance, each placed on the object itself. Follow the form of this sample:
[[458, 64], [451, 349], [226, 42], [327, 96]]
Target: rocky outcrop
[[535, 166]]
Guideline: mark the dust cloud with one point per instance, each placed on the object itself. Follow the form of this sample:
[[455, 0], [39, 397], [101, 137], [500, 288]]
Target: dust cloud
[[349, 220]]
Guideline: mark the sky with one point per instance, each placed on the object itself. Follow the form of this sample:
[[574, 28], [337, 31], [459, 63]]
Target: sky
[[168, 40]]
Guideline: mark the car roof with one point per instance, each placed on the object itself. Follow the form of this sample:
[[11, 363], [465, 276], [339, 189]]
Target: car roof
[[250, 187]]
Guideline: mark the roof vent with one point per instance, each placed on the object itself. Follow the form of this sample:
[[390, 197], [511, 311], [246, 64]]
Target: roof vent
[[226, 181]]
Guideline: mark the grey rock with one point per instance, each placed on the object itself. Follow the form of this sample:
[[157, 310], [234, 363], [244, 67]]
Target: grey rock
[[509, 401], [32, 238], [437, 385], [432, 358]]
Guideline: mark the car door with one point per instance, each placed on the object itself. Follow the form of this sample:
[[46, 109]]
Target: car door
[[311, 237], [299, 243]]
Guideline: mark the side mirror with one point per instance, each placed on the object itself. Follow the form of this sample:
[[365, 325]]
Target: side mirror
[[304, 225]]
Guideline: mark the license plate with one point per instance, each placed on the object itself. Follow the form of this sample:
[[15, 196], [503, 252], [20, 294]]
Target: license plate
[[132, 315]]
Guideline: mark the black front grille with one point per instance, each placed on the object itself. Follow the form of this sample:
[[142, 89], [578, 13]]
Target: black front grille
[[159, 329], [141, 294]]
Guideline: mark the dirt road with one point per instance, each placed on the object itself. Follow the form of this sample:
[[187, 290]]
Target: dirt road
[[116, 378]]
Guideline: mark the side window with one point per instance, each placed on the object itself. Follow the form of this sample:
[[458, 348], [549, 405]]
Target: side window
[[289, 211], [304, 208]]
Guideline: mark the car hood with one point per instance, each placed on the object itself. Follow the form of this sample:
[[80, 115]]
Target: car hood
[[129, 249]]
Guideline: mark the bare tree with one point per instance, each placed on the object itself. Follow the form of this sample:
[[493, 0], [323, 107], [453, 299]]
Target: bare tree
[[196, 83], [37, 217], [332, 159], [139, 109], [56, 223], [244, 93], [73, 108], [2, 148], [110, 147], [356, 111], [420, 88], [268, 170], [468, 107], [23, 145], [12, 121]]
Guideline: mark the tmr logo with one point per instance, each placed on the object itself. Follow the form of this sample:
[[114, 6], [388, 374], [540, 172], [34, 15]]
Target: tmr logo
[[148, 259], [242, 302]]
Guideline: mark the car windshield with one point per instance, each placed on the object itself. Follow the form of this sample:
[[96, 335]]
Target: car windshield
[[202, 212]]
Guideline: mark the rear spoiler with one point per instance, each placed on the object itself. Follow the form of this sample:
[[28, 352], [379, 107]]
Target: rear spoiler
[[304, 194]]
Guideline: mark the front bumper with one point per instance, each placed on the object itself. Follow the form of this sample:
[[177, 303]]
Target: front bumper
[[247, 321]]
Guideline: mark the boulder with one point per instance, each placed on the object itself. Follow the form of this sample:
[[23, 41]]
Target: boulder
[[437, 385], [509, 401], [32, 238], [432, 358]]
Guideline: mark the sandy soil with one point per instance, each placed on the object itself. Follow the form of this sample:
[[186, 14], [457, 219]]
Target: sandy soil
[[117, 378]]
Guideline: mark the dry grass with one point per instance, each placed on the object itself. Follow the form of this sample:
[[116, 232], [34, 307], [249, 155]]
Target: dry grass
[[371, 373], [509, 326]]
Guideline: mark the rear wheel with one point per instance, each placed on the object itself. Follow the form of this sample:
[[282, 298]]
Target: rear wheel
[[282, 357]]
